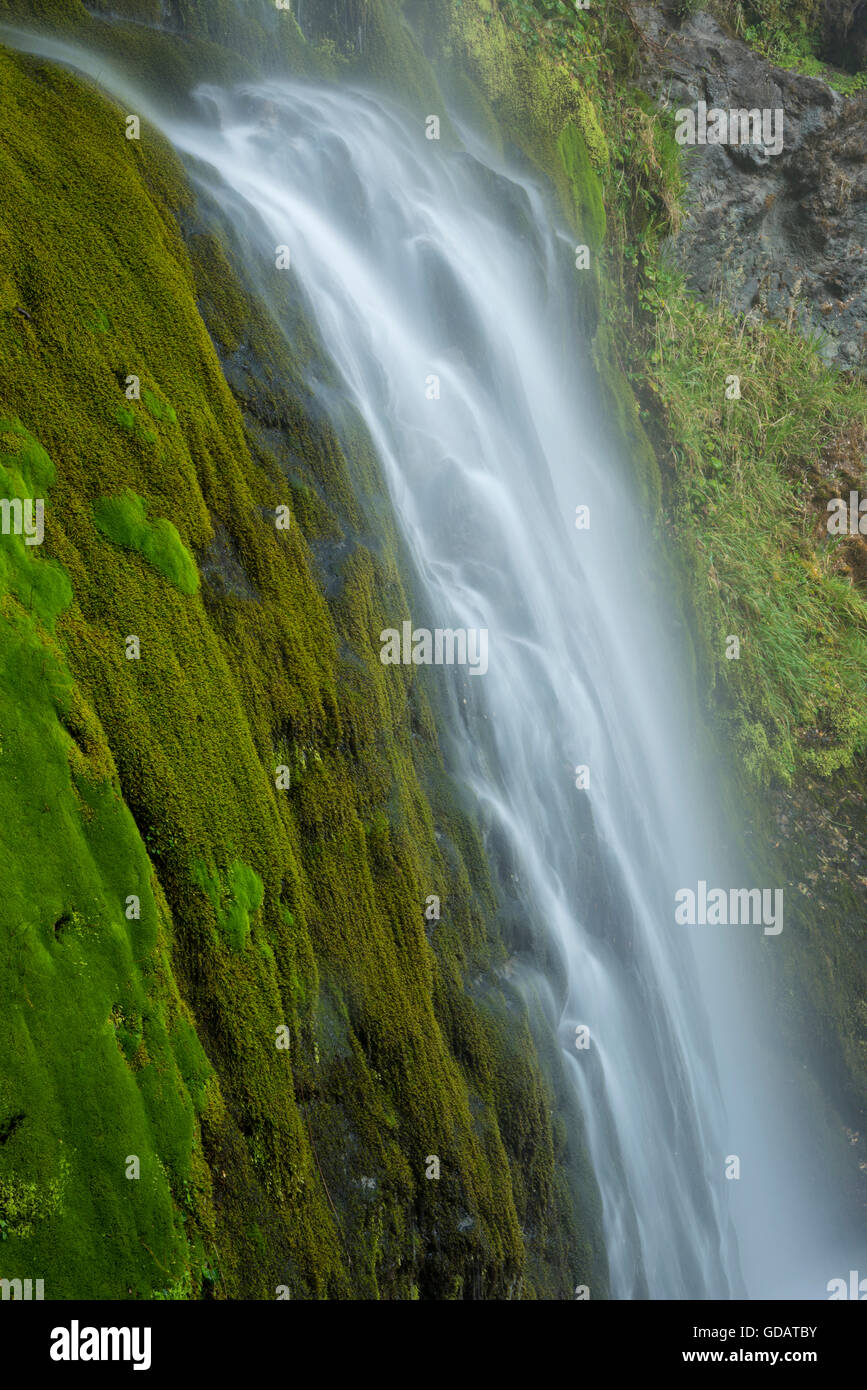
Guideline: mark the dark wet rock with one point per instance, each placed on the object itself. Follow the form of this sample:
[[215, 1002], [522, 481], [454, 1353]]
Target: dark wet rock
[[845, 33], [779, 234], [221, 567]]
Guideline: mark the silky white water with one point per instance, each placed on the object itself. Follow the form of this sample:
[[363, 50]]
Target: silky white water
[[443, 292]]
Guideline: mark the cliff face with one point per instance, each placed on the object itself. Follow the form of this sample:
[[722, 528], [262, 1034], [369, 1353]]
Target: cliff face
[[232, 1042], [780, 234], [844, 33]]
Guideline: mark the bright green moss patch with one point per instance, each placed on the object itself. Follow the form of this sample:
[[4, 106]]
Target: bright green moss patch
[[26, 473], [160, 410], [235, 902], [83, 989], [125, 521], [129, 421], [99, 322], [585, 185]]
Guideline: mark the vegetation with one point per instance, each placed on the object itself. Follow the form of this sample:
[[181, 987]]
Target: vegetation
[[261, 909], [124, 520], [749, 480]]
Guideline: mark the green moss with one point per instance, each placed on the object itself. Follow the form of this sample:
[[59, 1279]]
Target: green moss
[[24, 1203], [124, 520], [169, 766], [159, 410], [584, 184], [26, 474], [76, 979], [233, 903], [592, 132], [194, 1066], [222, 303]]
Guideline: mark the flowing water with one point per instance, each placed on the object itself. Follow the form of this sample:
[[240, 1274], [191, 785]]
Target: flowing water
[[444, 292]]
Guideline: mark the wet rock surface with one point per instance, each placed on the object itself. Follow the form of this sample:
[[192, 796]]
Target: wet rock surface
[[845, 33], [782, 235], [221, 566]]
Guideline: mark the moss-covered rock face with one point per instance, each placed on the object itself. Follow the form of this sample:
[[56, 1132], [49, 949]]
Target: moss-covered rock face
[[231, 1040], [91, 1088]]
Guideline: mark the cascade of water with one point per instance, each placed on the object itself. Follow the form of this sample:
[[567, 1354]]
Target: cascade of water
[[442, 294]]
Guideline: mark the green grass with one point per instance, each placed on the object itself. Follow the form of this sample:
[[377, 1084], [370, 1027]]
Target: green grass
[[749, 483], [793, 41], [788, 33]]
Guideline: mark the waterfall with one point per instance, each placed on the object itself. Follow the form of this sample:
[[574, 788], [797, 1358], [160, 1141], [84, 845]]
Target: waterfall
[[443, 288], [417, 265]]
